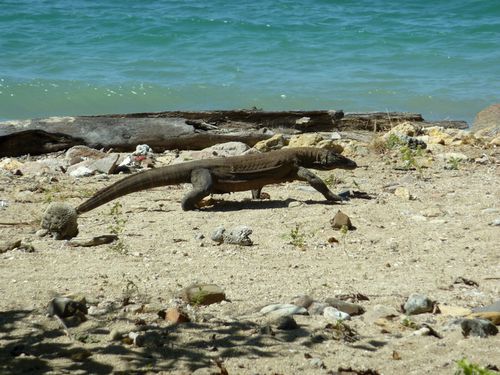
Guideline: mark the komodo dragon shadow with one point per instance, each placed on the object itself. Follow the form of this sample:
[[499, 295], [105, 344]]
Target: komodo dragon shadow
[[231, 174]]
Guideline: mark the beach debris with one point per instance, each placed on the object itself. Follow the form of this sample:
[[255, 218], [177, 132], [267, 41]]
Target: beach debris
[[142, 157], [77, 154], [238, 235], [60, 219]]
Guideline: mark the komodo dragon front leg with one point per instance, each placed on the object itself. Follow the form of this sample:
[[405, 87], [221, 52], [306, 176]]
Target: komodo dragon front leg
[[202, 182], [317, 183]]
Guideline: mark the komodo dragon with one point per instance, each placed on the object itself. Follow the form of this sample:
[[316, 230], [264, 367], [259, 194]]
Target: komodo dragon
[[225, 175]]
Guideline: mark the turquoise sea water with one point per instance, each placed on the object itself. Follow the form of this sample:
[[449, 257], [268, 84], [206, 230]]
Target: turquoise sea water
[[69, 57]]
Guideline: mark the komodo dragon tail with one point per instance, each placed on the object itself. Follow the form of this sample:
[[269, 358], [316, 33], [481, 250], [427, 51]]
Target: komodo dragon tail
[[169, 175]]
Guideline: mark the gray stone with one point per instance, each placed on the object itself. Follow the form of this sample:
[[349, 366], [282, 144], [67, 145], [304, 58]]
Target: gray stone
[[418, 304], [90, 167], [77, 154], [60, 219], [237, 236], [478, 327], [347, 307], [283, 309]]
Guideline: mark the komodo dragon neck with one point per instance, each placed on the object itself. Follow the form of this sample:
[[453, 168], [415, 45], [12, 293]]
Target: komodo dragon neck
[[223, 175]]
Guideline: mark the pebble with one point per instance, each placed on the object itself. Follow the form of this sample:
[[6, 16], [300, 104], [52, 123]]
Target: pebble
[[176, 315], [115, 335], [295, 204], [418, 304], [478, 327], [283, 309], [317, 362], [332, 314], [403, 193], [238, 235]]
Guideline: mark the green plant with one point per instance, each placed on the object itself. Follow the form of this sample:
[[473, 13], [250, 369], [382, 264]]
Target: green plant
[[467, 368], [453, 163], [117, 227], [393, 142], [332, 180], [297, 237], [408, 323]]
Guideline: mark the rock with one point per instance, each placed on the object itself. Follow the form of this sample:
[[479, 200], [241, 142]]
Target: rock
[[64, 307], [10, 165], [317, 362], [77, 154], [176, 315], [79, 170], [438, 135], [115, 335], [487, 118], [94, 241], [341, 220], [60, 219], [302, 300], [202, 294], [283, 309], [332, 314], [226, 149], [404, 129], [90, 167], [294, 204], [347, 307], [276, 142], [9, 245], [305, 140], [237, 236], [478, 327], [330, 144], [418, 304], [317, 308], [286, 323]]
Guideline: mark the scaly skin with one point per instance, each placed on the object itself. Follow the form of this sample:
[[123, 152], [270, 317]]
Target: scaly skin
[[225, 175]]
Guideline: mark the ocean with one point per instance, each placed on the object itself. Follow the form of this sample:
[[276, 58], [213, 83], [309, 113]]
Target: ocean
[[83, 57]]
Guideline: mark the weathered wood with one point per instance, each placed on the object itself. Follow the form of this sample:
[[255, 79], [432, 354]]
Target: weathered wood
[[120, 134], [186, 129], [375, 121], [321, 120]]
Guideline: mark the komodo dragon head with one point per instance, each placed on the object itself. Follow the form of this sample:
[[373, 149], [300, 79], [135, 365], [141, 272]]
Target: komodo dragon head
[[328, 159]]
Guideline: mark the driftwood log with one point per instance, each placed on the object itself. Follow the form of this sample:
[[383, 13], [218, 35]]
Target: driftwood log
[[184, 130]]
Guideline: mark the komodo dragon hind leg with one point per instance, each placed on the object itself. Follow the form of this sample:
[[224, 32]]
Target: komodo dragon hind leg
[[317, 183], [256, 193], [202, 182]]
